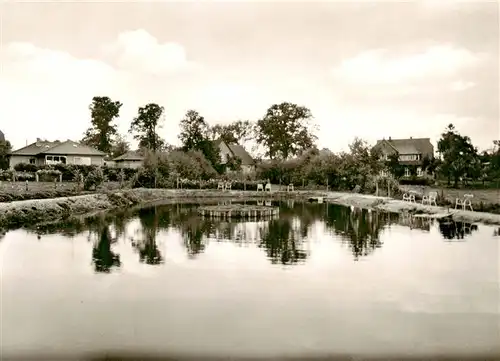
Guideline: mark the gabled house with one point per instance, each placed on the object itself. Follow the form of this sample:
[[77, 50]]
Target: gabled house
[[44, 152], [411, 152], [227, 151], [131, 159]]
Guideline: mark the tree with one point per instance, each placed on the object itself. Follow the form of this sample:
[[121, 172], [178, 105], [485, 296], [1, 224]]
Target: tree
[[459, 156], [146, 125], [103, 112], [5, 148], [194, 135], [396, 169], [237, 132], [285, 130], [120, 146]]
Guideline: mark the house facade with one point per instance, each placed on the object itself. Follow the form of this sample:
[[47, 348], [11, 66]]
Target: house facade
[[228, 151], [410, 152], [44, 152], [131, 159]]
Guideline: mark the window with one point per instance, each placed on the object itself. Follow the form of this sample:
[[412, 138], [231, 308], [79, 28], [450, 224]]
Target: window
[[55, 159], [407, 172], [420, 173], [32, 161]]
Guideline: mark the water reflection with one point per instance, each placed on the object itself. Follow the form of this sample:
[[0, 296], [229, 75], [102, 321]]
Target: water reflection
[[284, 240], [453, 230], [146, 243], [360, 229], [102, 255]]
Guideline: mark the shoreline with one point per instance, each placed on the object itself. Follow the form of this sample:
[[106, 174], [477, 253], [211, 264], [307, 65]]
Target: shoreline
[[16, 214]]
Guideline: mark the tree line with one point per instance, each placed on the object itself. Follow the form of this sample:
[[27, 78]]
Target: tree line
[[286, 132]]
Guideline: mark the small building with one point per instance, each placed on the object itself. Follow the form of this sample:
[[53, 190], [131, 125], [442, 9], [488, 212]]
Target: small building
[[411, 152], [236, 151], [44, 152], [131, 159]]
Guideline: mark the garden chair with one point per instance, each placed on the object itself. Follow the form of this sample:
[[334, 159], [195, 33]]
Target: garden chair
[[268, 187], [409, 196], [260, 203], [430, 198], [268, 203], [289, 188], [228, 186], [464, 202], [220, 185], [260, 187]]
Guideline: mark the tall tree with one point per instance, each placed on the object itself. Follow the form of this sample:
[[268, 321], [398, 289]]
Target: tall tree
[[194, 135], [145, 127], [285, 130], [237, 132], [103, 112], [194, 130], [5, 148], [120, 146], [459, 156]]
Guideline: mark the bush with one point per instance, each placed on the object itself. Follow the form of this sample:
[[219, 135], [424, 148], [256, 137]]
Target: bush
[[94, 179], [414, 181]]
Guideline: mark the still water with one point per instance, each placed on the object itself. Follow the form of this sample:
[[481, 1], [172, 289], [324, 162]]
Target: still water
[[320, 279]]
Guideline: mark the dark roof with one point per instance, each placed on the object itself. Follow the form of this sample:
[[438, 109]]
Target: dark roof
[[238, 151], [131, 155], [410, 146], [57, 147], [2, 136]]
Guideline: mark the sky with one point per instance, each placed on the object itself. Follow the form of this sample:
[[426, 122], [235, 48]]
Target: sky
[[365, 69]]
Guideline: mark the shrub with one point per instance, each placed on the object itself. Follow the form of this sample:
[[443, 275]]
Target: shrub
[[7, 174], [94, 179], [416, 181]]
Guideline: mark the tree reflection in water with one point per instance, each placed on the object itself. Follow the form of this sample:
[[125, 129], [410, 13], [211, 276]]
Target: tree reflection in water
[[453, 230], [281, 240], [359, 228], [102, 255], [146, 246]]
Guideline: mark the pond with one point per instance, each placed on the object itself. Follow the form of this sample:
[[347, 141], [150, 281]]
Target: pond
[[320, 279]]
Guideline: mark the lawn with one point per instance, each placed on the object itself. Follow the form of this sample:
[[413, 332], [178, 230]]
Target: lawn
[[14, 191], [485, 196]]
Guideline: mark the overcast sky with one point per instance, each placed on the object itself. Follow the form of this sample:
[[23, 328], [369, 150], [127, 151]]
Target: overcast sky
[[370, 69]]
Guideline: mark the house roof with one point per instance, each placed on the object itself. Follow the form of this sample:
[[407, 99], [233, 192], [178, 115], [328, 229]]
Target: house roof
[[57, 147], [410, 146], [240, 152], [131, 155]]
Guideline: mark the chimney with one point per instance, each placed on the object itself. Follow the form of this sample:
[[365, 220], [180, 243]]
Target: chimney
[[38, 140], [389, 138], [411, 137]]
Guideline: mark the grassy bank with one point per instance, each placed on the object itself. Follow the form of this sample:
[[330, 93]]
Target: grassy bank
[[29, 212], [16, 191]]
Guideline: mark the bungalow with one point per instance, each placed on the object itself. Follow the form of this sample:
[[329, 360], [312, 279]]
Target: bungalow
[[235, 150], [131, 159], [411, 152], [44, 152]]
